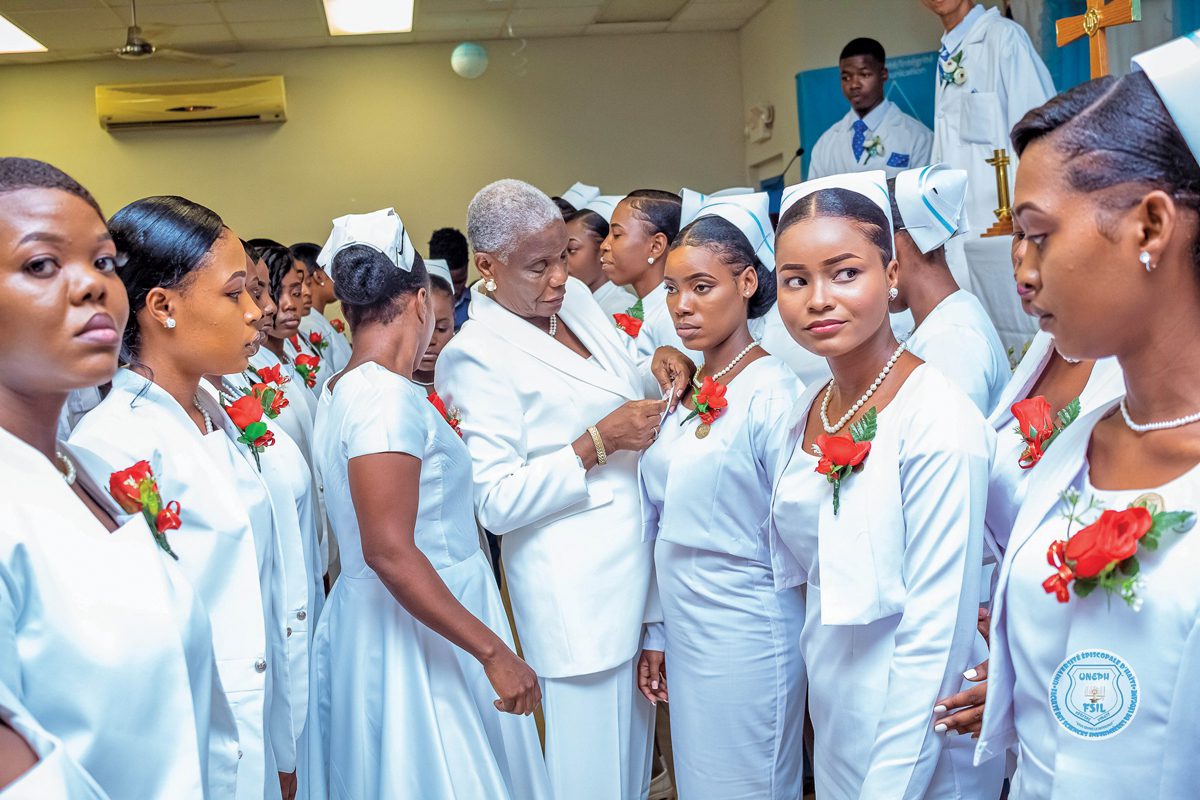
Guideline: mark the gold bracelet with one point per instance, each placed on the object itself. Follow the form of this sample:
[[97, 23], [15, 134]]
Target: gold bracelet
[[601, 454]]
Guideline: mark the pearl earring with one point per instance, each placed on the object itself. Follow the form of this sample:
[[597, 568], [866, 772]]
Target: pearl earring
[[893, 293], [1144, 257], [170, 323], [490, 285], [650, 260]]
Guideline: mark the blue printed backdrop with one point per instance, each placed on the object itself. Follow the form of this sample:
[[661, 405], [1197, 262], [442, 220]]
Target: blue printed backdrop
[[819, 98]]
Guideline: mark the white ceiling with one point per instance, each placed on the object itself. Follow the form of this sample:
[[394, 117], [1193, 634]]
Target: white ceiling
[[70, 28]]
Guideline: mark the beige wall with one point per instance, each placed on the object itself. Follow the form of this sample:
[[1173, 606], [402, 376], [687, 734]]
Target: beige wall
[[376, 126], [788, 36]]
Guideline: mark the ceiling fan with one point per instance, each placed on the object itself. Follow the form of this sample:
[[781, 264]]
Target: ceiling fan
[[138, 48]]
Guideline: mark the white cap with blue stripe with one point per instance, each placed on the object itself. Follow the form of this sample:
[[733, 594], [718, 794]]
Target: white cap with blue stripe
[[931, 201], [580, 194], [871, 185], [749, 212], [439, 268], [1174, 69]]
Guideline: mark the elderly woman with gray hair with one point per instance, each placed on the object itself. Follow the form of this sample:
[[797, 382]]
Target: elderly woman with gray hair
[[553, 412]]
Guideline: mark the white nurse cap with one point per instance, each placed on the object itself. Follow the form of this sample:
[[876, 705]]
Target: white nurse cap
[[438, 268], [750, 213], [871, 185], [580, 194], [1174, 69], [604, 205], [381, 230], [931, 202]]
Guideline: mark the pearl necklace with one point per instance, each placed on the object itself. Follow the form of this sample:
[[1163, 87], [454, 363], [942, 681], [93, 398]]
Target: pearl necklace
[[1156, 426], [696, 378], [553, 325], [208, 423], [858, 403], [68, 471]]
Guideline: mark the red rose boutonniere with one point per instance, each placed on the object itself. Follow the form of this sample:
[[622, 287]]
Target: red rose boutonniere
[[318, 342], [308, 366], [247, 413], [631, 321], [1038, 426], [452, 416], [842, 455], [273, 374], [708, 403], [338, 325], [135, 489], [271, 398], [1104, 553]]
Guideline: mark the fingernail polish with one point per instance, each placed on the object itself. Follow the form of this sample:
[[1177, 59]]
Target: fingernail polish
[[970, 674], [654, 685], [940, 727], [939, 709]]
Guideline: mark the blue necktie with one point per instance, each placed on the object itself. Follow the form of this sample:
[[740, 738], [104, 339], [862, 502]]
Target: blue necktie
[[860, 139]]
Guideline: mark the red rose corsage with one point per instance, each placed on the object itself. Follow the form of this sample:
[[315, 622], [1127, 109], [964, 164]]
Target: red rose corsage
[[1104, 553], [135, 489], [247, 413], [708, 403], [841, 455], [631, 321], [307, 367], [452, 416], [318, 342], [338, 325], [273, 374], [1038, 426], [271, 398]]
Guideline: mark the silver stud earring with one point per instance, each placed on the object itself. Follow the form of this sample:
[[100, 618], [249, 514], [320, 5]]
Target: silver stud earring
[[170, 323], [650, 260], [490, 285], [1144, 257], [893, 293]]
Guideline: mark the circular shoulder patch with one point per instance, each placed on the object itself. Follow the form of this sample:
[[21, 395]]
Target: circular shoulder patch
[[1094, 694]]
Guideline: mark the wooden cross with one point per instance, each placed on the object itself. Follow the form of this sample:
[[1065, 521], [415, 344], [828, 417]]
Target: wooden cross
[[1100, 15]]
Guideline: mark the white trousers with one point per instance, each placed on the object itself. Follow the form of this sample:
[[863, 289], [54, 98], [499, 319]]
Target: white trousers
[[599, 735]]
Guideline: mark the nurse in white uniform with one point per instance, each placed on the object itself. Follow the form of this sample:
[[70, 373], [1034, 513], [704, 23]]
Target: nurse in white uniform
[[418, 691], [641, 228], [988, 76], [587, 229], [736, 678], [879, 509], [185, 275], [952, 330], [554, 417], [86, 591], [1093, 660], [875, 133]]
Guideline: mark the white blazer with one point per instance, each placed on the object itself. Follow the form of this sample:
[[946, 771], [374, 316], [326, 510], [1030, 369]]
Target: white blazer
[[217, 552], [56, 775], [578, 571]]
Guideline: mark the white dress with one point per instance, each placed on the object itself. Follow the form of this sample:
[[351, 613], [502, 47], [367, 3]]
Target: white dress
[[1005, 78], [103, 640], [906, 144], [735, 676], [56, 775], [958, 338], [1008, 481], [1093, 695], [225, 549], [893, 583], [399, 711]]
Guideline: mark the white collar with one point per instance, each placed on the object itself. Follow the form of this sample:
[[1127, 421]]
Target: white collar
[[874, 117], [954, 38]]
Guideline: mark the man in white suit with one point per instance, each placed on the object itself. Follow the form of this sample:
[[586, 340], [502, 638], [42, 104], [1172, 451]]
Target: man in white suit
[[988, 77]]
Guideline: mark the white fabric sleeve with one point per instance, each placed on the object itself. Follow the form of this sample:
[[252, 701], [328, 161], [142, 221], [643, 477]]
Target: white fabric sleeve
[[512, 489], [819, 163], [393, 423], [654, 637], [1024, 80], [963, 356], [943, 480]]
